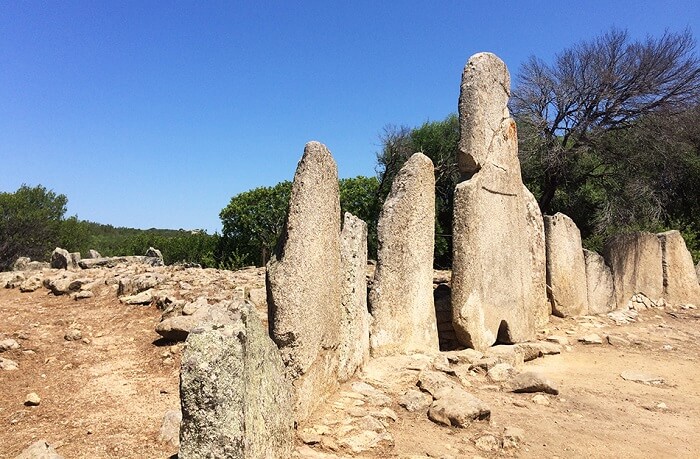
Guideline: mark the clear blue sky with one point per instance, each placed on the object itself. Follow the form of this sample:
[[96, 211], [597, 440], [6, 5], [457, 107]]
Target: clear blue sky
[[154, 114]]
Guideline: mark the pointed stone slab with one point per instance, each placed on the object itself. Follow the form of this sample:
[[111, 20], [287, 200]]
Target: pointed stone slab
[[401, 300], [303, 281], [636, 263], [566, 267], [353, 350], [493, 286], [679, 277]]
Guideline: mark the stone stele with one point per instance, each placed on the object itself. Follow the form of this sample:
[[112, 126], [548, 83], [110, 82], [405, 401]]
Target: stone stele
[[538, 256], [566, 267], [235, 398], [599, 281], [401, 299], [353, 350], [303, 281], [636, 263], [494, 297], [680, 279]]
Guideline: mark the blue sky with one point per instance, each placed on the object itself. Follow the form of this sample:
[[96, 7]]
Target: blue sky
[[154, 114]]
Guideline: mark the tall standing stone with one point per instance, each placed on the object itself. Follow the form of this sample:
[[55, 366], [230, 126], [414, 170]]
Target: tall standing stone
[[236, 401], [599, 284], [493, 287], [635, 260], [679, 277], [538, 257], [60, 259], [401, 299], [353, 350], [303, 281], [566, 267]]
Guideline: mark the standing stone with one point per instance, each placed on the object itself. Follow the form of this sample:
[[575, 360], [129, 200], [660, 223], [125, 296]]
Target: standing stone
[[74, 260], [493, 285], [538, 257], [697, 271], [635, 261], [566, 268], [60, 259], [303, 281], [353, 350], [235, 399], [679, 277], [401, 299], [599, 284]]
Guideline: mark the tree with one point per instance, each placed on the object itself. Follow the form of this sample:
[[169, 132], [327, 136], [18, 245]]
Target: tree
[[437, 140], [359, 196], [30, 219], [252, 223], [566, 110]]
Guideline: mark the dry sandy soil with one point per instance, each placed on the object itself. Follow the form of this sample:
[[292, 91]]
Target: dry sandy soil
[[105, 395]]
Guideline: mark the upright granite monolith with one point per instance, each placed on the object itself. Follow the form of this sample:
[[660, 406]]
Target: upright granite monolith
[[566, 267], [635, 260], [401, 299], [353, 350], [303, 281], [493, 286], [599, 284], [538, 258], [234, 394], [679, 277]]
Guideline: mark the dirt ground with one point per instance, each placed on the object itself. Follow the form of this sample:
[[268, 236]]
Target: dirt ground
[[105, 395]]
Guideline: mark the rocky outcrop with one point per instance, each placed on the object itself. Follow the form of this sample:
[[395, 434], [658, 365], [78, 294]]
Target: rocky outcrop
[[234, 396], [680, 281], [599, 284], [112, 262], [538, 258], [494, 296], [635, 261], [303, 281], [401, 299], [566, 267], [353, 349]]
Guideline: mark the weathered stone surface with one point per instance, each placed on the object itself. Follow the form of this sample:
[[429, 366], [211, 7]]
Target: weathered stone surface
[[636, 263], [32, 284], [8, 365], [39, 450], [21, 263], [234, 396], [170, 428], [599, 284], [94, 254], [8, 344], [154, 253], [303, 280], [74, 260], [457, 407], [60, 259], [697, 271], [493, 291], [680, 280], [401, 299], [111, 262], [415, 400], [538, 257], [353, 349], [566, 267], [640, 377]]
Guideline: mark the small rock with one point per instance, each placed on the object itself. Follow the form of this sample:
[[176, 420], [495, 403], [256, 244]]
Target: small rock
[[73, 335], [616, 341], [487, 443], [170, 428], [32, 399], [456, 407], [144, 297], [513, 437], [591, 339], [641, 377], [533, 382], [563, 340], [39, 450], [540, 399], [385, 413], [309, 436], [83, 294], [432, 381], [415, 400], [8, 365], [501, 372], [366, 440], [8, 345], [370, 423]]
